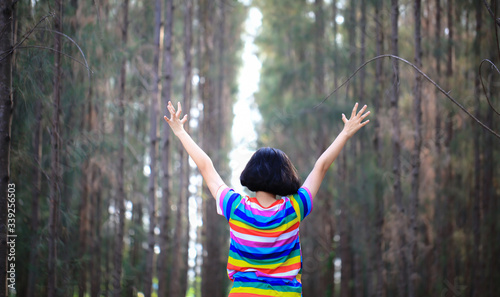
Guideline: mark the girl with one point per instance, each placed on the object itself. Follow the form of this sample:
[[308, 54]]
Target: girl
[[264, 254]]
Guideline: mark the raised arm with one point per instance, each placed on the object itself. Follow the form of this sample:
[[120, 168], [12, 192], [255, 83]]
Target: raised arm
[[202, 160], [351, 126]]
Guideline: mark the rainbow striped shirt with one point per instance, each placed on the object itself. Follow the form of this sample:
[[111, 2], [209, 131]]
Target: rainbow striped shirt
[[264, 254]]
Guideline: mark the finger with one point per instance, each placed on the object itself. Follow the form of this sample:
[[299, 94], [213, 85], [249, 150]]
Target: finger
[[362, 110], [184, 119], [354, 110], [344, 119], [166, 119], [179, 109], [365, 115], [171, 110], [364, 123]]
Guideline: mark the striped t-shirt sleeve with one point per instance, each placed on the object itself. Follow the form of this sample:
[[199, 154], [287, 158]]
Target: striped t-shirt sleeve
[[227, 200], [302, 202]]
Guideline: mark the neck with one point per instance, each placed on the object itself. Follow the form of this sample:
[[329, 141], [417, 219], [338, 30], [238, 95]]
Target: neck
[[265, 198]]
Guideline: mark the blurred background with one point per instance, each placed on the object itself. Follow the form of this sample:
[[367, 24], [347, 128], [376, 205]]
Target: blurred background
[[108, 203]]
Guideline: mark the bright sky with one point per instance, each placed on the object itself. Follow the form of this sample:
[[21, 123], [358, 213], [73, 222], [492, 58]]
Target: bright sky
[[246, 114]]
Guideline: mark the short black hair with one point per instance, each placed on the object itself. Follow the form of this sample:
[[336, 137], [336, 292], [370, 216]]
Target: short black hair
[[270, 170]]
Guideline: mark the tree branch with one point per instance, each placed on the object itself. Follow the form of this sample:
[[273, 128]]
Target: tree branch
[[54, 50], [484, 88], [497, 20], [74, 42], [427, 78]]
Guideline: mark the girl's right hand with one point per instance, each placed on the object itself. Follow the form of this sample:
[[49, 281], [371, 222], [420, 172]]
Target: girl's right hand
[[354, 123], [175, 122]]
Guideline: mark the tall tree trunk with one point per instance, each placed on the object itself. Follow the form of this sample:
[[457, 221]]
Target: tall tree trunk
[[187, 94], [345, 253], [438, 135], [212, 270], [35, 205], [319, 26], [490, 239], [362, 55], [120, 198], [449, 246], [55, 155], [396, 153], [360, 260], [335, 46], [83, 236], [95, 200], [6, 43], [165, 169], [155, 96], [162, 263], [475, 258], [378, 287], [95, 247], [415, 159], [133, 282]]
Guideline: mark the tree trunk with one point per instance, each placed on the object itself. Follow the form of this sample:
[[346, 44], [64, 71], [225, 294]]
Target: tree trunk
[[6, 43], [95, 240], [396, 153], [415, 160], [335, 46], [490, 239], [155, 96], [475, 258], [319, 26], [187, 95], [162, 263], [83, 236], [212, 270], [438, 135], [449, 246], [378, 287], [55, 155], [345, 254], [362, 55], [120, 198], [35, 205]]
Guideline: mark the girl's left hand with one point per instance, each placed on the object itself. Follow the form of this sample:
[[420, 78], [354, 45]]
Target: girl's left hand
[[355, 122], [175, 122]]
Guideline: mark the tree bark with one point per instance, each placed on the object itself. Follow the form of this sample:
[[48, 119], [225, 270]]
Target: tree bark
[[35, 205], [162, 263], [438, 135], [6, 109], [83, 236], [396, 153], [379, 202], [449, 246], [95, 240], [335, 46], [120, 198], [212, 268], [187, 95], [490, 203], [476, 215], [346, 288], [153, 137], [415, 159], [55, 156]]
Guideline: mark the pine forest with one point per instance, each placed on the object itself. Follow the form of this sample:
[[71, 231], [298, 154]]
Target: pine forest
[[99, 198]]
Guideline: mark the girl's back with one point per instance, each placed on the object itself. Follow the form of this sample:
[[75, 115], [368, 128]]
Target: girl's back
[[264, 254]]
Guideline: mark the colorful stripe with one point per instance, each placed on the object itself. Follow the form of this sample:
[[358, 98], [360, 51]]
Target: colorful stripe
[[264, 255]]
